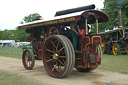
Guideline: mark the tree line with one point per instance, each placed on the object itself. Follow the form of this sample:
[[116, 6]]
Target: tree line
[[18, 35]]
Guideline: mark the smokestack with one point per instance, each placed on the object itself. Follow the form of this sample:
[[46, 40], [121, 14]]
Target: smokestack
[[120, 18], [120, 4]]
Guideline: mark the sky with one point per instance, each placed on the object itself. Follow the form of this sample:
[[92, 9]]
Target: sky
[[13, 11]]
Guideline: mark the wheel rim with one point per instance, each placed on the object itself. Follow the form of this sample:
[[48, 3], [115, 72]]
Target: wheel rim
[[28, 59], [55, 58], [115, 49], [126, 49]]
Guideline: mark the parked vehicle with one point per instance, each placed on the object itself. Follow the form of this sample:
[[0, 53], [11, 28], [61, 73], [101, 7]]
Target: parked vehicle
[[118, 39]]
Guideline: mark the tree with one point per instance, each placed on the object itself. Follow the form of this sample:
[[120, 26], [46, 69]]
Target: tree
[[111, 9], [20, 35], [29, 18]]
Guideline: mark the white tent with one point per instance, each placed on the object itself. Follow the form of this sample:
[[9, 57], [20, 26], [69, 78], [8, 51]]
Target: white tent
[[7, 43]]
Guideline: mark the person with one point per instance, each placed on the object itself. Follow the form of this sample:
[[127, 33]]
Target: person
[[76, 31], [109, 45], [74, 34]]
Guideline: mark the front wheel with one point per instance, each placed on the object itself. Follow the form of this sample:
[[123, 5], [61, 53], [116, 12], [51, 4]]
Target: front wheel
[[28, 59], [58, 56]]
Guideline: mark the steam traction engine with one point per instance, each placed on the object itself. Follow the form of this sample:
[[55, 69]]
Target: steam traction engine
[[53, 43], [118, 39]]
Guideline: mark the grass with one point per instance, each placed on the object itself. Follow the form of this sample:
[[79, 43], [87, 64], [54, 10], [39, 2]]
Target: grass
[[14, 79], [114, 63], [11, 52]]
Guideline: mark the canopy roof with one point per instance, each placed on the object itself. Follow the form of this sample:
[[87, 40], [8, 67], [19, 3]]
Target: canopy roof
[[114, 30], [90, 15]]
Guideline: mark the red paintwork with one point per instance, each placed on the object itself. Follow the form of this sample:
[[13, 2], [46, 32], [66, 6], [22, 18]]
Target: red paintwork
[[98, 58], [88, 44], [97, 15]]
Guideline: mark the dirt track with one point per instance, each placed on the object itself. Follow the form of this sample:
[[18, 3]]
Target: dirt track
[[96, 77]]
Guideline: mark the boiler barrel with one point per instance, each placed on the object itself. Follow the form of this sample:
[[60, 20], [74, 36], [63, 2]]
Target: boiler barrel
[[68, 11]]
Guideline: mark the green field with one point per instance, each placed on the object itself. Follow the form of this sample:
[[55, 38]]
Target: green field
[[14, 52], [112, 63]]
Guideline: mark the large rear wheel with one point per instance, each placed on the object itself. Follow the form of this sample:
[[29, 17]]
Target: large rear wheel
[[28, 59], [58, 56]]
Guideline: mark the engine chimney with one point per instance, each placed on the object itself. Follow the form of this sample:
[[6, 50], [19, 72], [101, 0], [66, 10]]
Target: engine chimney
[[120, 18]]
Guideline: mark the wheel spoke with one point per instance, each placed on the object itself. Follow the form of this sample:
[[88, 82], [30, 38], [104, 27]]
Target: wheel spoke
[[59, 68], [62, 56], [64, 62], [54, 45], [49, 60], [63, 53], [57, 65], [51, 55], [61, 62], [28, 63], [58, 45], [53, 67], [49, 50], [53, 49], [61, 49]]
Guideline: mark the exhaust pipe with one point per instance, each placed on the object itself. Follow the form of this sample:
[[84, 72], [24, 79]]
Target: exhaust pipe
[[120, 18]]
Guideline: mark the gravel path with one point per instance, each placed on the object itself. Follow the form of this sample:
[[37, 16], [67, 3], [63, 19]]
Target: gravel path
[[39, 74]]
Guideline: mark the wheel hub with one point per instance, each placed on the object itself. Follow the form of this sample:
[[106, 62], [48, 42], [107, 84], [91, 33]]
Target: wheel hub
[[55, 56], [116, 49]]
